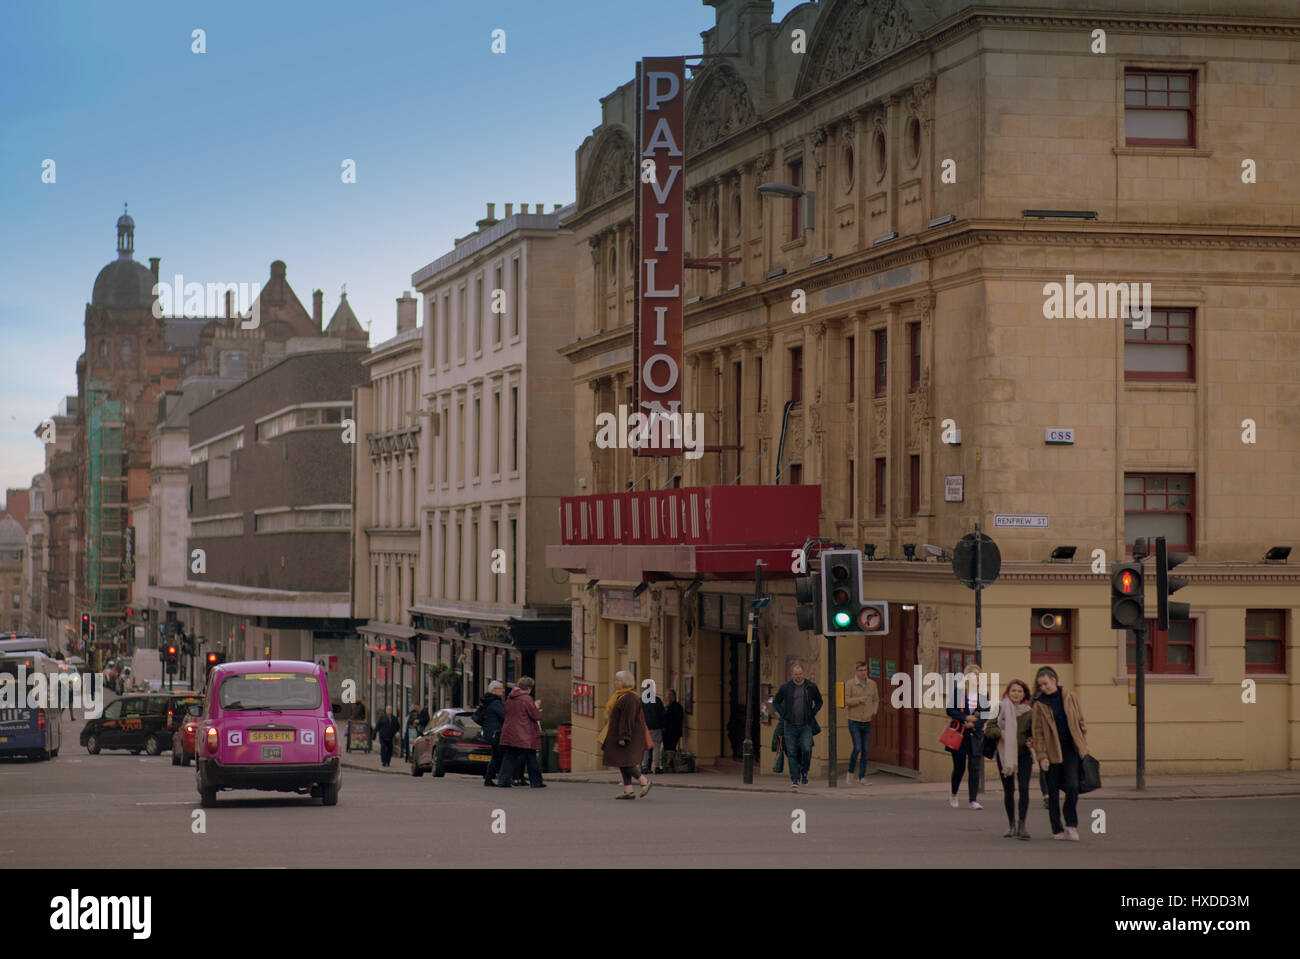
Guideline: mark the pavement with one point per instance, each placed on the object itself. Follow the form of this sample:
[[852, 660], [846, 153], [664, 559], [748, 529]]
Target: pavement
[[882, 784]]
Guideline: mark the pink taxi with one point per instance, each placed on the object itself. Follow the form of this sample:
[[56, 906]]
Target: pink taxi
[[267, 725]]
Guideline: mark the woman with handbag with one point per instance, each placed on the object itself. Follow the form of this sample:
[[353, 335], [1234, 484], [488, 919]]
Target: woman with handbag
[[1058, 731], [624, 739], [964, 710], [1014, 757]]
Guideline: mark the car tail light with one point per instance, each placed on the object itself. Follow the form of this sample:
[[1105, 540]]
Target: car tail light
[[331, 738], [452, 733], [212, 739], [40, 719], [170, 717]]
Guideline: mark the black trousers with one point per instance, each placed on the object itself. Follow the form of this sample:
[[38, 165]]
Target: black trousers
[[1064, 776], [516, 755], [494, 764], [385, 751], [959, 770], [1024, 773]]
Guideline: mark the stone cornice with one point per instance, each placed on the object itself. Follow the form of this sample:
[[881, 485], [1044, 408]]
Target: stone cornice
[[1210, 574]]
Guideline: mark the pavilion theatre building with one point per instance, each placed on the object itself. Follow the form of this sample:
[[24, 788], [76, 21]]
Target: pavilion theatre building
[[1024, 286]]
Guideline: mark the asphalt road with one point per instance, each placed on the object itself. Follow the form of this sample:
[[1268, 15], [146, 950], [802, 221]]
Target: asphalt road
[[117, 810]]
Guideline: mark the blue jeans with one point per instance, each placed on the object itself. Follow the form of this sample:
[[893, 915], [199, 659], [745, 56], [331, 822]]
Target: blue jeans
[[860, 733], [798, 750]]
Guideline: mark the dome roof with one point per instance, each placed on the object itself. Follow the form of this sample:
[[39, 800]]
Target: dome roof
[[125, 220], [123, 284]]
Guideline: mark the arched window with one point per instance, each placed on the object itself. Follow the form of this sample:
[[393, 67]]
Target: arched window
[[103, 349], [126, 351]]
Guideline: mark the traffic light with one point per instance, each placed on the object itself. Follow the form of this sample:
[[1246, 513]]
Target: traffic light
[[1127, 601], [171, 654], [85, 628], [807, 594], [215, 659], [1166, 585], [841, 590], [129, 614]]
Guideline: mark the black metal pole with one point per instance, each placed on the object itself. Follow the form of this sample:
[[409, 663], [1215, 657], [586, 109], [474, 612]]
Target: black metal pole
[[751, 679], [979, 606], [1140, 635], [831, 688]]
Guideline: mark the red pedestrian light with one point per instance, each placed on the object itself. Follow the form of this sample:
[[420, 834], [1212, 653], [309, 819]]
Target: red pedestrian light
[[1126, 582]]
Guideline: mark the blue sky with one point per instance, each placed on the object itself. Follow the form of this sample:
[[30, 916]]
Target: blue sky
[[232, 158]]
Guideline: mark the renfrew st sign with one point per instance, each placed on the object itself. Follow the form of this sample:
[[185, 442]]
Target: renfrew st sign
[[660, 205]]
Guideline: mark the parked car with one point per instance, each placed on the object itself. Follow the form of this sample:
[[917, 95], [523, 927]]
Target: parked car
[[137, 722], [267, 725], [452, 741], [183, 736]]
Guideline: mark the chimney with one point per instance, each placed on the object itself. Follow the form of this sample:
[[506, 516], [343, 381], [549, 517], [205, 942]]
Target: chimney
[[555, 207], [230, 304], [153, 268], [317, 308], [405, 312], [510, 209], [490, 219], [539, 208]]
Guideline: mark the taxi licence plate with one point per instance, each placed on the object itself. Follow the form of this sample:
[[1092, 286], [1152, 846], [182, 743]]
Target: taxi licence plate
[[479, 757], [271, 736], [272, 752], [4, 739]]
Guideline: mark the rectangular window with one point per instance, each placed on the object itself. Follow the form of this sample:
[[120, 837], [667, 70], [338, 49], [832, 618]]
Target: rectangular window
[[914, 484], [514, 426], [474, 564], [954, 660], [880, 486], [1164, 350], [514, 297], [495, 591], [758, 394], [512, 559], [444, 441], [853, 369], [478, 436], [738, 401], [498, 293], [794, 174], [446, 330], [460, 442], [1160, 504], [496, 432], [432, 310], [1050, 634], [478, 315], [462, 328], [796, 374], [914, 353], [1159, 108], [881, 341], [1166, 652], [1265, 641]]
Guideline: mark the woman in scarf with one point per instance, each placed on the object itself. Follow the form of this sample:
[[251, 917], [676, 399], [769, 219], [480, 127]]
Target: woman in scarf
[[625, 735], [1059, 741], [1015, 759]]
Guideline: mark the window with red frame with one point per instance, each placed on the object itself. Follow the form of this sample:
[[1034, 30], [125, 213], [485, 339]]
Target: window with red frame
[[1160, 504], [880, 486], [796, 374], [914, 484], [1159, 108], [881, 340], [1166, 350], [1265, 641], [914, 354], [1170, 651], [1051, 635], [584, 699], [794, 173], [954, 660]]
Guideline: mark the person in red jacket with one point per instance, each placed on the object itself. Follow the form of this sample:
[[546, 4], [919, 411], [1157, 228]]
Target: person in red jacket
[[521, 736]]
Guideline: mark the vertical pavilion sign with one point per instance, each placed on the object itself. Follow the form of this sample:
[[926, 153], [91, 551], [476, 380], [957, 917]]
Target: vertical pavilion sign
[[660, 209]]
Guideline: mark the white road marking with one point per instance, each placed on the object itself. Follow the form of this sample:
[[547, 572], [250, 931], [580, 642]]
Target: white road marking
[[186, 802]]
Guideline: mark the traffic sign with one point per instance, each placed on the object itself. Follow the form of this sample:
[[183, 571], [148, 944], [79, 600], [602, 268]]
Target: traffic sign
[[963, 560]]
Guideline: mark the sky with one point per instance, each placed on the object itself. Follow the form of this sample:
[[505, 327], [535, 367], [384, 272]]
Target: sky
[[232, 158]]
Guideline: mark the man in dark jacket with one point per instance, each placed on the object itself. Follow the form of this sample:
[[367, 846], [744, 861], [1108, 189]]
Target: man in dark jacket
[[798, 701], [494, 718], [386, 731], [674, 722], [412, 729], [655, 717]]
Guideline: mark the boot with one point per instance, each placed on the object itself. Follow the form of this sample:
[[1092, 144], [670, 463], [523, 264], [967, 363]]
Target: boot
[[1011, 832], [1021, 832]]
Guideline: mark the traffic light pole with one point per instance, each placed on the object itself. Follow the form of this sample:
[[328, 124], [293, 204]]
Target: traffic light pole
[[751, 680], [979, 606], [1140, 634], [831, 687]]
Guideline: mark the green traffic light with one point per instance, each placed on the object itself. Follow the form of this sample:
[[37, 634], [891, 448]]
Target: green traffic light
[[842, 619]]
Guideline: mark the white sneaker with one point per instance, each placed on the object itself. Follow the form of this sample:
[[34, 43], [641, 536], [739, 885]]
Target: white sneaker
[[952, 801], [1071, 833], [976, 805]]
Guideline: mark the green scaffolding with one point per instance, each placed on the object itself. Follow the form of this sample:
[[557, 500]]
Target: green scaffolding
[[105, 504]]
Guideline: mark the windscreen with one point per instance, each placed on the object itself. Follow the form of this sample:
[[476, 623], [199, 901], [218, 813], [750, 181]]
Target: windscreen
[[270, 691]]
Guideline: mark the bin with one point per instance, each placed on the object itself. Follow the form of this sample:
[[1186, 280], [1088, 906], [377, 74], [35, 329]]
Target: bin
[[550, 759], [564, 746]]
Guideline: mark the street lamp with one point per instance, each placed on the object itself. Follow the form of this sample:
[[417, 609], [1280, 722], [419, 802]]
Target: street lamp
[[791, 192]]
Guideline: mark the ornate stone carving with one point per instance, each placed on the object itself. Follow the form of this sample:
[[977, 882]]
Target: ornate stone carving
[[819, 150], [878, 431], [594, 242], [927, 639], [764, 162], [611, 171], [865, 32], [692, 197], [722, 107]]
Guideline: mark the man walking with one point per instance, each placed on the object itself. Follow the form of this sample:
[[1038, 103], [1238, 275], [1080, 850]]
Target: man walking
[[798, 701], [862, 698], [386, 731], [656, 716]]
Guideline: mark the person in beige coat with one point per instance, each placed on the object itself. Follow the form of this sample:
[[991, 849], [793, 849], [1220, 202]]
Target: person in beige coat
[[862, 699], [1058, 740]]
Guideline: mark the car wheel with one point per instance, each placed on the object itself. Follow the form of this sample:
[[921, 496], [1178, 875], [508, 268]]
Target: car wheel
[[92, 745], [185, 758], [54, 753], [153, 746], [416, 768], [207, 798], [329, 794], [135, 752], [439, 769]]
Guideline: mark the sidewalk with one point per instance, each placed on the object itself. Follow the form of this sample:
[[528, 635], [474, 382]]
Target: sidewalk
[[890, 786]]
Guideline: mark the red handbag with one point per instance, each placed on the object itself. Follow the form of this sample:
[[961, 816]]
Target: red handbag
[[649, 740], [952, 736]]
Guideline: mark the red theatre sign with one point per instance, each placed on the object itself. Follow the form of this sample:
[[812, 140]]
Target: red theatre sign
[[660, 207]]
